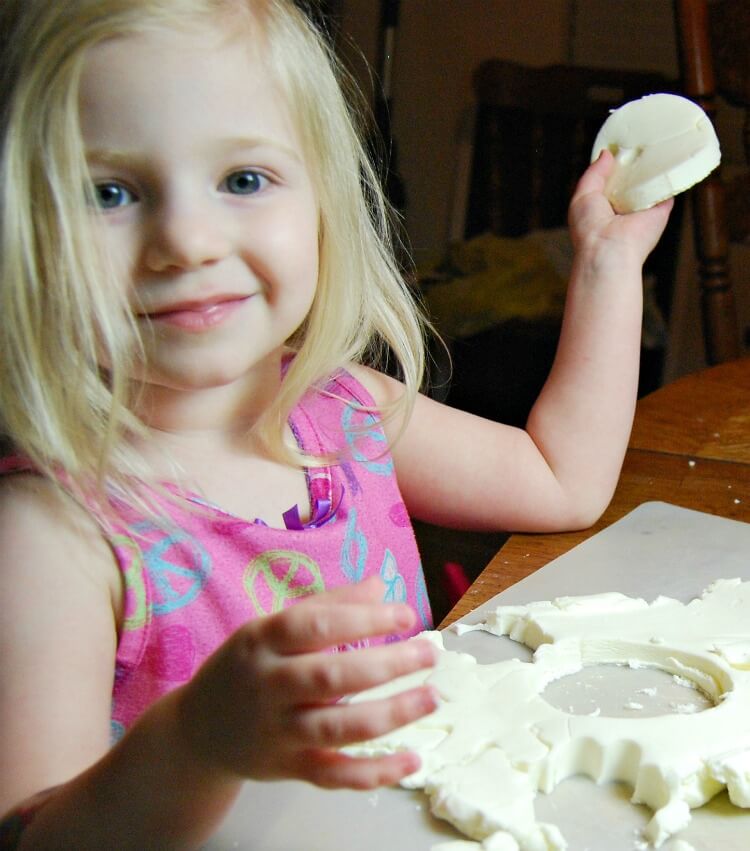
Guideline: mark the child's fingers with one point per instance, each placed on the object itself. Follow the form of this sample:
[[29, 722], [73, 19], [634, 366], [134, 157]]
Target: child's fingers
[[594, 179], [321, 624], [317, 678], [368, 590], [340, 724], [332, 769], [650, 224], [657, 214], [595, 176], [589, 211]]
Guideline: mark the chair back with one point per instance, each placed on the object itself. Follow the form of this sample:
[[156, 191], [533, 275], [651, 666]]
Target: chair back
[[713, 39]]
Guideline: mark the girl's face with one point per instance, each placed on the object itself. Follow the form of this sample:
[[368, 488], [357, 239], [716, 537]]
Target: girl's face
[[209, 209]]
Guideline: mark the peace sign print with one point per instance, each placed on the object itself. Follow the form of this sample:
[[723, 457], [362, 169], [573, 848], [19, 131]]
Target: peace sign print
[[395, 587], [178, 567], [129, 553], [423, 601], [360, 428], [116, 731], [354, 550], [276, 577]]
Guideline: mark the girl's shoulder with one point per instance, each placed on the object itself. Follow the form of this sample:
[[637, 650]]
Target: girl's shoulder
[[380, 390], [45, 531], [29, 502], [26, 492]]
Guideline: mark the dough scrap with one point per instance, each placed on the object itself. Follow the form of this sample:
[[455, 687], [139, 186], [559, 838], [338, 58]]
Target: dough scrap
[[663, 144]]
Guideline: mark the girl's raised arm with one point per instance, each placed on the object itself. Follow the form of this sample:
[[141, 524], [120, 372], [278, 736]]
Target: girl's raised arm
[[559, 473]]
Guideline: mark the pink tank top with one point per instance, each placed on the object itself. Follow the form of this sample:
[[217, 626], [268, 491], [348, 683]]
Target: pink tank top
[[190, 586]]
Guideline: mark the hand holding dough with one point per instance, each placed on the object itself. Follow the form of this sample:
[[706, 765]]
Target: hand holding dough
[[662, 144]]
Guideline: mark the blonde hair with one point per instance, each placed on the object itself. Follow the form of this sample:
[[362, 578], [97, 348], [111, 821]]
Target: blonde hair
[[62, 314]]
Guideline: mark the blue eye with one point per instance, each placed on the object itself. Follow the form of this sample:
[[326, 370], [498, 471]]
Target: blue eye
[[244, 182], [110, 195]]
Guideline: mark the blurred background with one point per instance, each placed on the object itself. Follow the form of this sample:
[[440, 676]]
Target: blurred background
[[437, 46]]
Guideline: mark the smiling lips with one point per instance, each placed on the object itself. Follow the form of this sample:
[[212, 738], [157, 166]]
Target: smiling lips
[[198, 316]]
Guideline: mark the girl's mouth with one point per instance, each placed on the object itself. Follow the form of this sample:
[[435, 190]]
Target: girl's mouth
[[197, 317]]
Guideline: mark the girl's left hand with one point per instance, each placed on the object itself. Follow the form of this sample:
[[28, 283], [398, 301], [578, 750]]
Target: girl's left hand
[[594, 225]]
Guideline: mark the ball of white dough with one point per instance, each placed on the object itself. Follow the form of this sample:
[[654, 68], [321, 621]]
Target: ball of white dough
[[662, 144]]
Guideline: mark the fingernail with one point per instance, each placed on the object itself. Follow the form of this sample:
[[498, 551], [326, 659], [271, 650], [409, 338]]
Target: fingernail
[[429, 699], [411, 762], [426, 653], [403, 617]]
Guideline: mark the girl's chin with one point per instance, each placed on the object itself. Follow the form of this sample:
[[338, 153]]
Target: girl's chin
[[201, 376]]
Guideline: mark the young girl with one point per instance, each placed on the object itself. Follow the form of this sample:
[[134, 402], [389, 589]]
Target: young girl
[[195, 271]]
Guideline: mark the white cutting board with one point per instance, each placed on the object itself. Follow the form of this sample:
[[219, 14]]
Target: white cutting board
[[656, 549]]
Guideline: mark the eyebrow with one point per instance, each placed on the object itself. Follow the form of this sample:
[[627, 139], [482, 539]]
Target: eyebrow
[[112, 157], [257, 142], [115, 157]]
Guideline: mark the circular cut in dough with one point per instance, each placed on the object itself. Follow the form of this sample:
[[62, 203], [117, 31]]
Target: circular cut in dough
[[662, 144]]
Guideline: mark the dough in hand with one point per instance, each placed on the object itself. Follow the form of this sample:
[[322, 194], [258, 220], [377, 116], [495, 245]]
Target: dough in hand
[[662, 144]]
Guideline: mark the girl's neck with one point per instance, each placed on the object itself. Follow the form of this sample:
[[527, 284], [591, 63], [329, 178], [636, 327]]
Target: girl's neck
[[202, 440], [211, 414]]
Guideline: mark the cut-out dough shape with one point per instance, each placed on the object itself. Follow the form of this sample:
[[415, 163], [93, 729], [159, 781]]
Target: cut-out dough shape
[[662, 144], [494, 741]]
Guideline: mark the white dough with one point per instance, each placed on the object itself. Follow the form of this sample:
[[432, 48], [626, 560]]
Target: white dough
[[663, 144], [494, 741]]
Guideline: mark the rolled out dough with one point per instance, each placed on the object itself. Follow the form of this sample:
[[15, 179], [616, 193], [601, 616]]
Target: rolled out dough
[[494, 741]]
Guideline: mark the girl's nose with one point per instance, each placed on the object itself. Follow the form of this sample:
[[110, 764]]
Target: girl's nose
[[185, 239]]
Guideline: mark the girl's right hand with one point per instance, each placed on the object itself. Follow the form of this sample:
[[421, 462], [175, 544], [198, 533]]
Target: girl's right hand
[[265, 704]]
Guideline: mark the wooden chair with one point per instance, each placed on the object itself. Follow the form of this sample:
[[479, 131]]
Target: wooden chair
[[714, 42]]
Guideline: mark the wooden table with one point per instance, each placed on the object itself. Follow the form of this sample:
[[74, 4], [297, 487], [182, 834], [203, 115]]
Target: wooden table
[[690, 446]]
